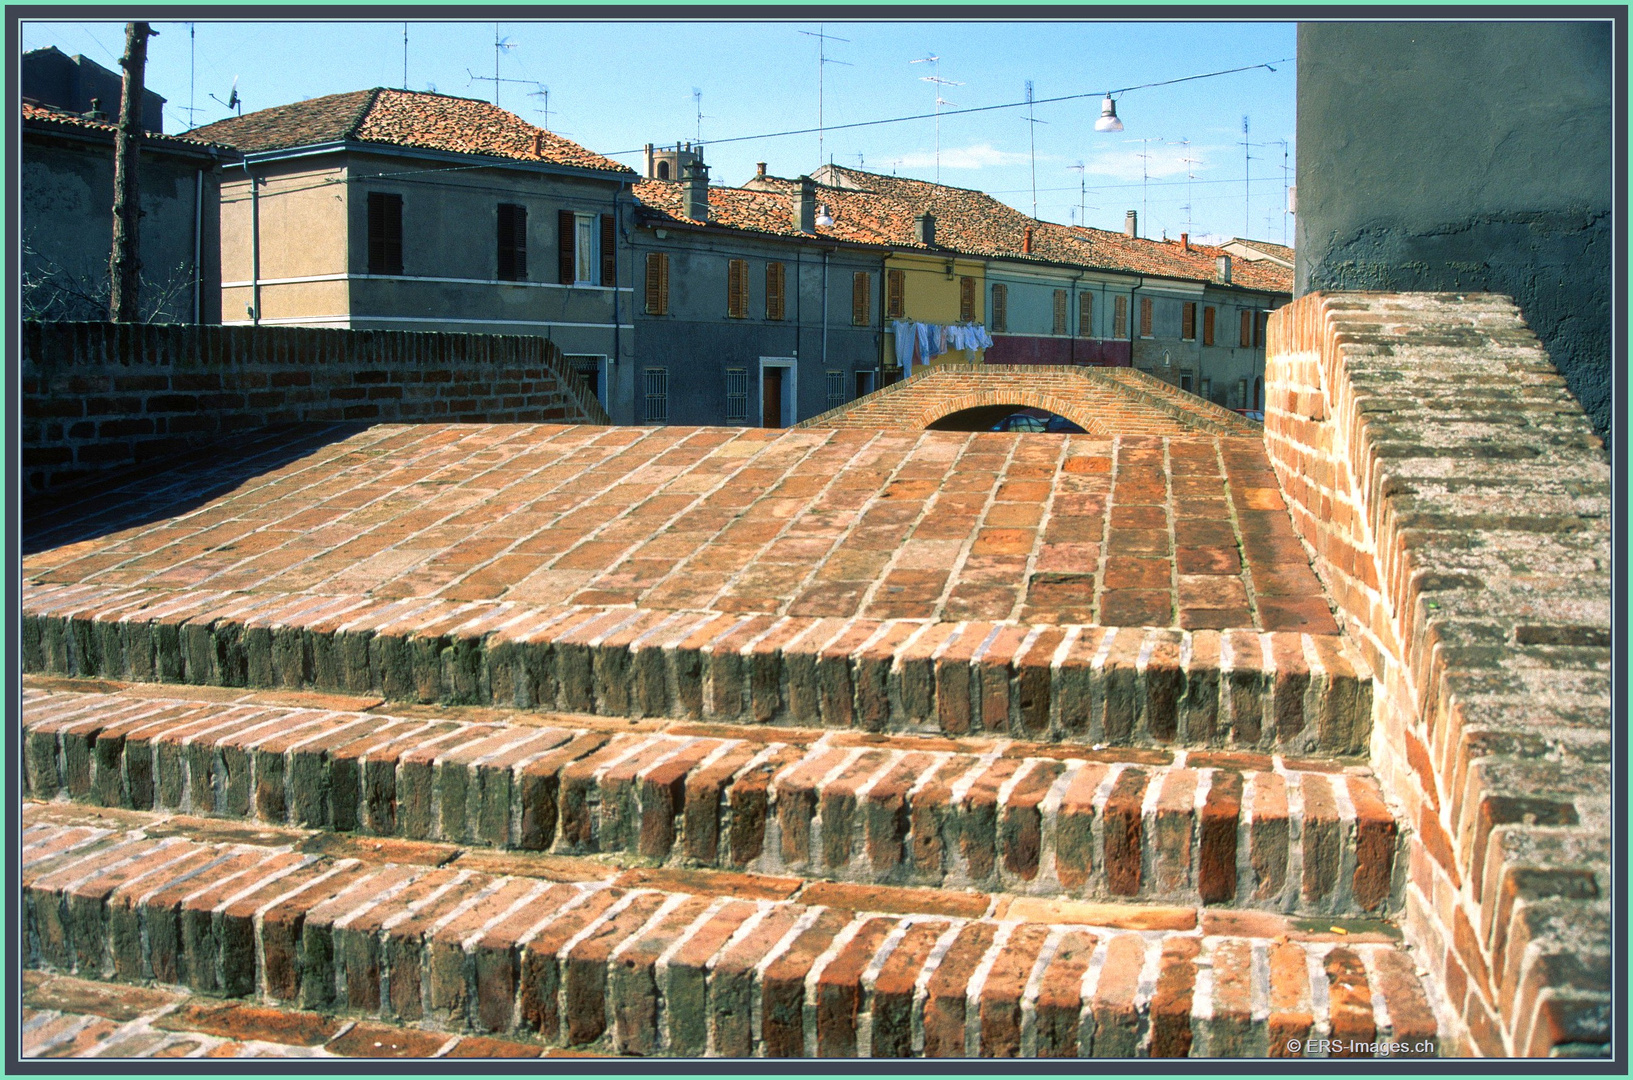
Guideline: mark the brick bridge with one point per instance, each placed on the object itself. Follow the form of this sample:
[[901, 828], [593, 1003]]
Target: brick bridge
[[512, 739], [1102, 401]]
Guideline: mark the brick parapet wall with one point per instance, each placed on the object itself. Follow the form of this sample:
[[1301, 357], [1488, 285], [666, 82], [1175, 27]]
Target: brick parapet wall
[[1457, 504], [100, 396]]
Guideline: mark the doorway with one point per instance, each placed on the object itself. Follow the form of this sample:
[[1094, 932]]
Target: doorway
[[771, 397]]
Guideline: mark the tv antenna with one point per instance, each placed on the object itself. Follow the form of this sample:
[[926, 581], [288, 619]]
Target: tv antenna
[[1032, 129], [1190, 179], [1145, 177], [233, 100], [1247, 180], [499, 46], [1082, 192], [935, 62], [405, 56], [822, 62], [697, 104], [543, 92], [1285, 150]]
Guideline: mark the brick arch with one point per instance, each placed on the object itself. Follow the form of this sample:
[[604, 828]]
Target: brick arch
[[941, 408]]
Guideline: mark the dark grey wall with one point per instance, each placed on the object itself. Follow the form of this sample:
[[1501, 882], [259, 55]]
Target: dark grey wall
[[1465, 156]]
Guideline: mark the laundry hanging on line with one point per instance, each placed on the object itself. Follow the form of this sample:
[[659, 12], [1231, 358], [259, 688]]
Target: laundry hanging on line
[[919, 342]]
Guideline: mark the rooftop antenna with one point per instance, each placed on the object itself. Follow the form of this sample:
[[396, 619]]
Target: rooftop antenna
[[1190, 179], [1284, 165], [192, 74], [697, 102], [1247, 179], [233, 101], [1145, 177], [405, 56], [822, 62], [499, 46], [939, 82], [861, 161], [544, 92], [1082, 192], [1032, 130]]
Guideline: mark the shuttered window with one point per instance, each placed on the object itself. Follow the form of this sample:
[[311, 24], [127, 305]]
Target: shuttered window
[[657, 283], [1060, 312], [1000, 308], [775, 279], [1260, 322], [1085, 314], [512, 242], [566, 229], [736, 395], [657, 395], [966, 299], [385, 233], [1247, 329], [1145, 316], [737, 288], [1119, 318], [861, 298], [1207, 325], [895, 294], [609, 250], [1187, 322]]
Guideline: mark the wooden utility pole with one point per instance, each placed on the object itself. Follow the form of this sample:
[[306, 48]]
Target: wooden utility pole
[[125, 265]]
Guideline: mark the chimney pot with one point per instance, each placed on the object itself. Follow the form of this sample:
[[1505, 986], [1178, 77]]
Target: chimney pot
[[538, 144], [696, 179], [759, 168], [924, 229], [1185, 241], [1026, 241], [805, 205], [1131, 224], [1224, 268]]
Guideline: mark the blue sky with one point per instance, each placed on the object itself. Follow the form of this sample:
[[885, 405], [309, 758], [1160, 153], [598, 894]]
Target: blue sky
[[615, 86]]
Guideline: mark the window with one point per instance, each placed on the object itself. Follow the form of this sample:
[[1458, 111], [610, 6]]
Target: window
[[588, 368], [774, 282], [657, 395], [1000, 308], [737, 289], [1261, 322], [584, 244], [579, 262], [1145, 316], [861, 298], [736, 395], [1206, 389], [609, 251], [1187, 322], [895, 294], [836, 389], [1241, 393], [1185, 382], [1060, 311], [1207, 325], [1247, 329], [1085, 314], [512, 242], [1119, 318], [657, 283], [966, 299], [385, 233], [663, 170]]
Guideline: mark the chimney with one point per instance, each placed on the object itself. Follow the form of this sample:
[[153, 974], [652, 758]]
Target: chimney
[[1224, 268], [759, 170], [924, 228], [805, 205], [1131, 224], [538, 144], [1026, 241], [1185, 241], [696, 182], [649, 166], [96, 108]]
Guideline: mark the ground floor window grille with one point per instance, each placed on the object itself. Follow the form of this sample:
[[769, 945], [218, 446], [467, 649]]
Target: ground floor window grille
[[657, 395], [836, 389], [736, 395]]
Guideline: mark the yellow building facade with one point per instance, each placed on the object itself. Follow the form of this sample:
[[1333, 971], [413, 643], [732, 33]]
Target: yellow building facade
[[926, 287]]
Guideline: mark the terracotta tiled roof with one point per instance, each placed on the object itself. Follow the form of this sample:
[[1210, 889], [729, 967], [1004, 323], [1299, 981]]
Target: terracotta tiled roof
[[1278, 251], [405, 118], [42, 114], [768, 208]]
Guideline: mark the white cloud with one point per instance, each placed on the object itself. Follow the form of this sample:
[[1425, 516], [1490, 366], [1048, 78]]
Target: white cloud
[[1166, 160], [978, 156]]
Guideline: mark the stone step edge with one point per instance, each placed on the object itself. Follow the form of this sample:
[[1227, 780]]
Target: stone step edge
[[1296, 692], [1218, 830], [645, 971]]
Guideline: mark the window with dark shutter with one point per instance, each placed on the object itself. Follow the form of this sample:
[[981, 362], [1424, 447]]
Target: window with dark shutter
[[1145, 316], [1260, 324], [512, 242], [1085, 314], [657, 283], [1247, 329], [1207, 325], [1060, 312], [774, 280], [609, 250], [1119, 318], [566, 227], [861, 298], [1000, 308], [385, 233], [737, 288], [1187, 322], [966, 299], [895, 294]]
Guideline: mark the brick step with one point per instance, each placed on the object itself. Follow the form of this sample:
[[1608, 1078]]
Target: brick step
[[1197, 826], [1127, 686], [635, 970]]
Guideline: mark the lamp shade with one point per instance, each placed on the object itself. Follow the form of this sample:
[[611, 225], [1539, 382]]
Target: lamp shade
[[824, 218], [1108, 116]]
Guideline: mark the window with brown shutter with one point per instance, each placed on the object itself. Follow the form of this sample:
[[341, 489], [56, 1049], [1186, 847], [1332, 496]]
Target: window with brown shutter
[[385, 233], [1145, 316], [1207, 325], [657, 283], [1119, 318], [1247, 329], [1000, 309], [861, 298], [737, 288], [1187, 322], [774, 280], [1060, 311], [609, 251], [1085, 314], [966, 299], [512, 242], [895, 294], [566, 227]]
